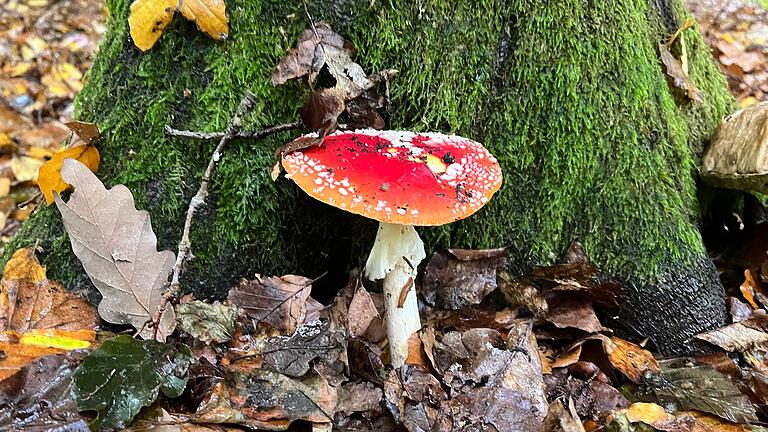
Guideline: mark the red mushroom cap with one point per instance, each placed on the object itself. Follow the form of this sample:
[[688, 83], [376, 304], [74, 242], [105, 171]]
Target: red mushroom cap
[[398, 177]]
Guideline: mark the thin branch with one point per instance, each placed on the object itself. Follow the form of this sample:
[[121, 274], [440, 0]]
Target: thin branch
[[259, 134], [185, 245]]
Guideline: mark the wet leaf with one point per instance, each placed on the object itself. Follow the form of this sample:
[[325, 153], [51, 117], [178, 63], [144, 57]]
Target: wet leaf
[[702, 388], [49, 176], [280, 302], [574, 313], [592, 392], [112, 239], [313, 341], [739, 336], [207, 322], [39, 317], [261, 399], [630, 359], [148, 19], [358, 397], [125, 374], [453, 283], [38, 397], [209, 15]]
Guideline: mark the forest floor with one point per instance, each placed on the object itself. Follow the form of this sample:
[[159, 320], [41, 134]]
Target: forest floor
[[546, 357]]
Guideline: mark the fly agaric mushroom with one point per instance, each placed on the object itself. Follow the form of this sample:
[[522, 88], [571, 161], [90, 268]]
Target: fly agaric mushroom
[[400, 179]]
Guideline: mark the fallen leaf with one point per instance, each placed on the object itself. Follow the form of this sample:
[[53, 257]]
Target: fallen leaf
[[49, 175], [260, 399], [91, 218], [125, 374], [322, 110], [361, 313], [88, 132], [453, 283], [517, 292], [358, 397], [37, 316], [739, 336], [592, 393], [700, 387], [277, 301], [631, 360], [209, 15], [574, 313], [147, 20], [38, 397], [750, 288], [495, 384], [678, 76], [311, 342], [207, 322], [561, 420], [63, 80], [25, 168]]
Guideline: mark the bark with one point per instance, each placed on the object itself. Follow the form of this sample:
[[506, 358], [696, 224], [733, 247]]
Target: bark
[[570, 96]]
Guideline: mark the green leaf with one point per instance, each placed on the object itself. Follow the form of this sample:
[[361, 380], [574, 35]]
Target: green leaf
[[125, 374]]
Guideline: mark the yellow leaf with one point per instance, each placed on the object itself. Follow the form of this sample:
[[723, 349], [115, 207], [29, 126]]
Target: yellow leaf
[[62, 339], [38, 316], [63, 80], [25, 168], [209, 15], [148, 19], [49, 178]]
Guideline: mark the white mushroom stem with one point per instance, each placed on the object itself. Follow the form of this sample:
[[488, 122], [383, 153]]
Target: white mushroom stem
[[396, 253]]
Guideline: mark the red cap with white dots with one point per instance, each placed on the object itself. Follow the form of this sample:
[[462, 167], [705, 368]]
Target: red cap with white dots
[[398, 177]]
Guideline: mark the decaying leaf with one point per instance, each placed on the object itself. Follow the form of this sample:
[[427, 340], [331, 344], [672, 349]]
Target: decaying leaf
[[39, 317], [497, 384], [25, 168], [591, 390], [630, 359], [456, 279], [148, 19], [38, 397], [125, 374], [207, 322], [280, 302], [519, 293], [315, 341], [118, 249], [209, 15], [701, 388], [261, 399], [655, 416], [561, 420], [739, 336], [678, 75], [358, 397], [574, 313], [337, 83], [49, 176]]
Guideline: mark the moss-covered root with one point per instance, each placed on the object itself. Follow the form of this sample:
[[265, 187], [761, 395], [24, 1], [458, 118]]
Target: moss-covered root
[[569, 95]]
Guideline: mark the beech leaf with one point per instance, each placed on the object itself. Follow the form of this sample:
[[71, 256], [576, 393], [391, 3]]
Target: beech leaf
[[209, 15], [118, 249], [148, 19], [125, 374]]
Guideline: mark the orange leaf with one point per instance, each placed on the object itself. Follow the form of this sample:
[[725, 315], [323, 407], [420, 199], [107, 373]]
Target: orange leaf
[[37, 316], [49, 177]]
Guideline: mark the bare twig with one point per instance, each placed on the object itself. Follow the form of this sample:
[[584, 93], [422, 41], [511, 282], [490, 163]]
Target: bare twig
[[259, 134], [185, 245]]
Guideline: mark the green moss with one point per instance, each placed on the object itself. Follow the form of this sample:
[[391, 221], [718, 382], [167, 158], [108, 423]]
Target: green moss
[[571, 98]]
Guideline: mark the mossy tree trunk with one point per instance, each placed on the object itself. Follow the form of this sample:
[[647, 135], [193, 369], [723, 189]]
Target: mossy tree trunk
[[570, 96]]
